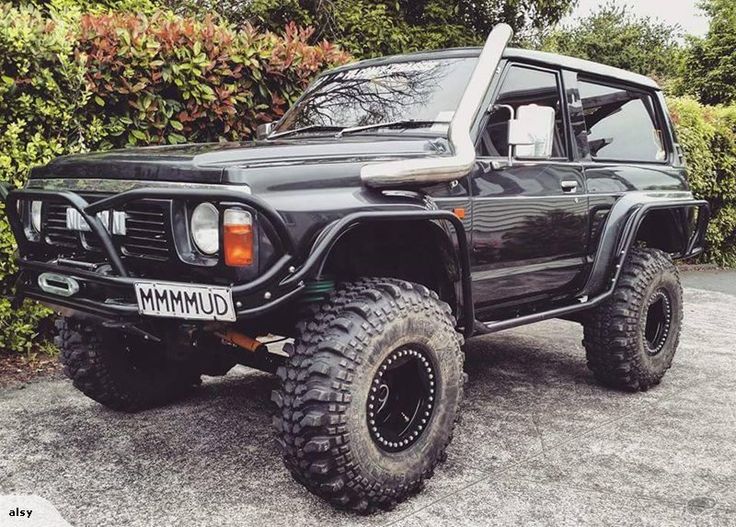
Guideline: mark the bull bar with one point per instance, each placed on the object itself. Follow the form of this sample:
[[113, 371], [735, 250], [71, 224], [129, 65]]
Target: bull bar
[[280, 283]]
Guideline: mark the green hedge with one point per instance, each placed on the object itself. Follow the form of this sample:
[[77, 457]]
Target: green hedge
[[708, 136], [109, 79], [40, 83]]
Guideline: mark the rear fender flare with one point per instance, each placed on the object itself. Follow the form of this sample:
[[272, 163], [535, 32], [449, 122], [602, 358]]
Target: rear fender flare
[[623, 224]]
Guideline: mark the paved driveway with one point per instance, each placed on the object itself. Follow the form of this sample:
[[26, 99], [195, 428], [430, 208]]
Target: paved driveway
[[539, 443]]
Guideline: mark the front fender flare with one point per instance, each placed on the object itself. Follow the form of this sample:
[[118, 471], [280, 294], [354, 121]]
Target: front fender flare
[[333, 232]]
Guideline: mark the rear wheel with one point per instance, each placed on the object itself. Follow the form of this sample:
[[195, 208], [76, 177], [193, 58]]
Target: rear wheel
[[630, 340], [119, 371], [370, 394]]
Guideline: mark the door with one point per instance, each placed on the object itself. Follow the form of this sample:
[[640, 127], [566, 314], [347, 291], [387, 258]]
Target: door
[[530, 218], [628, 147]]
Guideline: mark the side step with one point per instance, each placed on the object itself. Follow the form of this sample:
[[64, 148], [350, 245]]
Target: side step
[[483, 328]]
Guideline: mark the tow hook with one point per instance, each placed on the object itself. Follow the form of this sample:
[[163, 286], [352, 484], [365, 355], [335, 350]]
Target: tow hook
[[57, 284]]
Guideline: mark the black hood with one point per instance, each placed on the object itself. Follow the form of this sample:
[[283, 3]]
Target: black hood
[[232, 162]]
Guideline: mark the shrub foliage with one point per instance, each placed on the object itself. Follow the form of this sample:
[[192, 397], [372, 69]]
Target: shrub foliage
[[613, 35], [112, 79], [710, 71], [42, 94], [169, 80], [708, 136], [368, 28]]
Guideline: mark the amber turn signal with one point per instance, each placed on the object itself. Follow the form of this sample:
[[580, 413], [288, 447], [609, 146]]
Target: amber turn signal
[[238, 237], [460, 213]]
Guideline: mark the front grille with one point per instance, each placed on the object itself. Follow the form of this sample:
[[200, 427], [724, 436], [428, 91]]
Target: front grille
[[146, 225], [146, 230], [55, 226]]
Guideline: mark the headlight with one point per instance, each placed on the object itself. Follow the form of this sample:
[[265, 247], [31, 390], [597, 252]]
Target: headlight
[[205, 227], [36, 215]]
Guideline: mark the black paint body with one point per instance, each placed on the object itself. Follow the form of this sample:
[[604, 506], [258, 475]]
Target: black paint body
[[531, 243]]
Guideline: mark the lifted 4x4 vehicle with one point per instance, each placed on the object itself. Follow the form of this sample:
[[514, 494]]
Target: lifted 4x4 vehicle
[[400, 205]]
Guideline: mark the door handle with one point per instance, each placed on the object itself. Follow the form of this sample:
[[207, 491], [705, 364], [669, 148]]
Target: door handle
[[570, 186]]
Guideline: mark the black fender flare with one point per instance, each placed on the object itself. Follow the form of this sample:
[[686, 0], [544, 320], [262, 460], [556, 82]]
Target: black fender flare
[[329, 237], [622, 226]]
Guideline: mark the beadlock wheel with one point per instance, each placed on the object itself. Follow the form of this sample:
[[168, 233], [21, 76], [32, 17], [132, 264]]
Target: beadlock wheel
[[659, 319], [370, 393], [402, 399], [631, 339]]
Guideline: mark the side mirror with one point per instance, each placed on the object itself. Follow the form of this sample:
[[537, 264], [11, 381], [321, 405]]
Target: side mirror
[[532, 132], [264, 130]]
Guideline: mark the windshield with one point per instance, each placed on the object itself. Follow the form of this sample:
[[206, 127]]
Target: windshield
[[426, 91]]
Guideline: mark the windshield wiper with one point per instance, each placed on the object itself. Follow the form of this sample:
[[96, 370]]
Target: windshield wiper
[[310, 128], [341, 130], [403, 123]]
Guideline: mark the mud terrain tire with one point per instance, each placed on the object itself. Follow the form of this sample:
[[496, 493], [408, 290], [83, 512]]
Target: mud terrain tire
[[118, 371], [328, 383], [631, 339]]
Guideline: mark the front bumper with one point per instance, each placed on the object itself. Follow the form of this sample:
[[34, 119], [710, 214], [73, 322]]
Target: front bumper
[[107, 290]]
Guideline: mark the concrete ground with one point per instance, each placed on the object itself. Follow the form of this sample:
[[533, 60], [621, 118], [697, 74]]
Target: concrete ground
[[539, 443]]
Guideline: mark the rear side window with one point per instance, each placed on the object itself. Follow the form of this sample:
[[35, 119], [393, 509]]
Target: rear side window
[[621, 123]]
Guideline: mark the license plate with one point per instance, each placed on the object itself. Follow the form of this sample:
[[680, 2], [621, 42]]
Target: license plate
[[196, 302]]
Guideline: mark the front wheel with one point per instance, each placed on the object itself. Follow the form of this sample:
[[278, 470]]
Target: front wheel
[[119, 371], [631, 339], [370, 394]]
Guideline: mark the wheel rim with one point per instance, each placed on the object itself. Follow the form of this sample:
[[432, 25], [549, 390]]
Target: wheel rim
[[658, 321], [401, 399]]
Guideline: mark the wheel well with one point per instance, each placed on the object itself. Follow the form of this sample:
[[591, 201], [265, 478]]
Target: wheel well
[[667, 229], [419, 252]]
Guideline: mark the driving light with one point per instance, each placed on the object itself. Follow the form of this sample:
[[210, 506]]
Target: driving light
[[205, 228], [238, 237], [36, 215]]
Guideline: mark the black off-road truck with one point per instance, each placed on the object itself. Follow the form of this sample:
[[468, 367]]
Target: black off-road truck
[[401, 205]]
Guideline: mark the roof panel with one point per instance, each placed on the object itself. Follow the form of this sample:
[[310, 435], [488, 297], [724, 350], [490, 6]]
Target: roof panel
[[538, 57]]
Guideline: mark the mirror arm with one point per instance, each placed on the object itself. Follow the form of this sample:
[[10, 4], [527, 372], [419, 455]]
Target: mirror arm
[[512, 116], [512, 112]]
